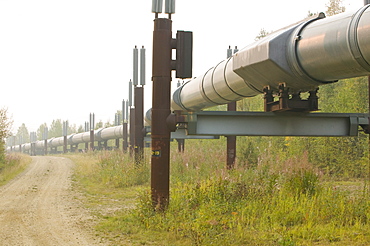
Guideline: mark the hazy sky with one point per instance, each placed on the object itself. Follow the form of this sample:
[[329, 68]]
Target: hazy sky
[[65, 59]]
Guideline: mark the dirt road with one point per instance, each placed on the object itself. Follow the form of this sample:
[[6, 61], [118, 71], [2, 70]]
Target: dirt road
[[38, 208]]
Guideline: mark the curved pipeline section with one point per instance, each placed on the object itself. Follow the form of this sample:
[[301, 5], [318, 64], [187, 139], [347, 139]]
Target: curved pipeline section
[[305, 55]]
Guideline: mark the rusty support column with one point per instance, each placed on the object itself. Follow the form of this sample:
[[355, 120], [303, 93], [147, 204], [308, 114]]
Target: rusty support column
[[64, 144], [139, 124], [46, 147], [160, 160], [132, 131], [33, 149], [92, 140], [231, 142], [124, 141], [180, 145]]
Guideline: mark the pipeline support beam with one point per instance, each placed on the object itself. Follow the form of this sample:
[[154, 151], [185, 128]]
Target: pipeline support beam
[[275, 124]]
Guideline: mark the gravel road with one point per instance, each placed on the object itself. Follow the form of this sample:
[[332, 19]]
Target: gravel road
[[38, 207]]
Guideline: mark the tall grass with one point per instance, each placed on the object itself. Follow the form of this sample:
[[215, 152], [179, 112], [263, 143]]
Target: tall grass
[[276, 202], [12, 165], [111, 169], [253, 210]]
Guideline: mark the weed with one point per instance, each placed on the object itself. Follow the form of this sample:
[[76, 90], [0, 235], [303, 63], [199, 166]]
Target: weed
[[12, 165], [281, 202]]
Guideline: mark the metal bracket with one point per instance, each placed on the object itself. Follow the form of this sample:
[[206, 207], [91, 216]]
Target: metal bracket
[[289, 103]]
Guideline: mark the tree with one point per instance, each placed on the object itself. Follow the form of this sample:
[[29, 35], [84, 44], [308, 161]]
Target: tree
[[5, 125], [23, 135], [263, 33], [40, 131], [72, 129], [56, 129], [81, 129], [334, 7], [99, 125], [108, 124]]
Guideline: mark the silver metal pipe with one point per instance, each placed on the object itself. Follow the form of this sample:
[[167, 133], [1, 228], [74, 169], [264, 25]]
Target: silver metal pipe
[[304, 55], [114, 132]]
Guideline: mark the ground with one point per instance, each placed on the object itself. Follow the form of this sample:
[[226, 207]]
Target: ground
[[39, 207]]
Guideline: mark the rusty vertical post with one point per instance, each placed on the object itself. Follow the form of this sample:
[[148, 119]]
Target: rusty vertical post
[[45, 147], [45, 141], [124, 125], [132, 131], [230, 140], [64, 144], [33, 149], [117, 122], [180, 145], [124, 142], [180, 142], [92, 126], [139, 124], [92, 140], [65, 132], [87, 128], [161, 77]]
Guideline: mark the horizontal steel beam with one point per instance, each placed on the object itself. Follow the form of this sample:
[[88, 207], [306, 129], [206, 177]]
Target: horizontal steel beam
[[274, 124], [182, 134]]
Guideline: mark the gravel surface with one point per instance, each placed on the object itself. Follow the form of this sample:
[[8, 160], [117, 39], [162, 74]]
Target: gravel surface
[[39, 207]]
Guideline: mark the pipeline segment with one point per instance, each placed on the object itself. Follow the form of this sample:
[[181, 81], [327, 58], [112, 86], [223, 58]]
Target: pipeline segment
[[101, 134], [304, 55]]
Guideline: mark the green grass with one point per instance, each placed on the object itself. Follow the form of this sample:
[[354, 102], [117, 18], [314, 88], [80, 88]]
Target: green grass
[[13, 165], [274, 203]]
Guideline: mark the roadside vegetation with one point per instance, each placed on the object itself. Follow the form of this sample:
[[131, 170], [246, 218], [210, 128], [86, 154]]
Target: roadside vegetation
[[283, 190], [10, 164], [288, 202]]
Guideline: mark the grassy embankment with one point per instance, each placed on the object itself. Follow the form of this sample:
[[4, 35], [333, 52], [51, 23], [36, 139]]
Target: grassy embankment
[[13, 165], [280, 203]]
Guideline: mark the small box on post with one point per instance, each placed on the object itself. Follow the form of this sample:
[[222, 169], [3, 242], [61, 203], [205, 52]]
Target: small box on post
[[184, 54]]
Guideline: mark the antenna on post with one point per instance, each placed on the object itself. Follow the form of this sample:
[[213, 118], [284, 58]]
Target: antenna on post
[[135, 66], [229, 52], [169, 8], [236, 49], [157, 7], [130, 93], [142, 66]]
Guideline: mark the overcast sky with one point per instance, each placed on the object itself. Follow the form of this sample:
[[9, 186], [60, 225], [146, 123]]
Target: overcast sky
[[65, 59]]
